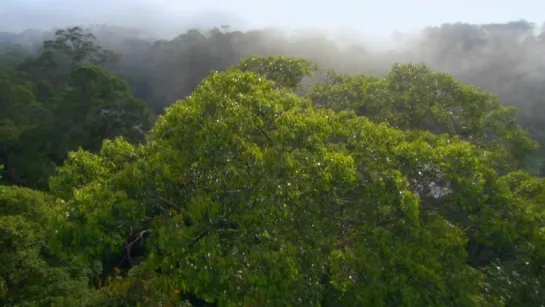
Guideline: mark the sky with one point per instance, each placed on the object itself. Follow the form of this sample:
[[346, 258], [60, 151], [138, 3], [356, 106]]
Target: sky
[[376, 17]]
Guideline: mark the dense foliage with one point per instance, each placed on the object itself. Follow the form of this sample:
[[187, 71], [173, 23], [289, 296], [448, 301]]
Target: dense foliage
[[57, 102], [274, 182]]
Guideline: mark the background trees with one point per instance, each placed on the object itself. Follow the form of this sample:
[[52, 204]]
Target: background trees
[[56, 102]]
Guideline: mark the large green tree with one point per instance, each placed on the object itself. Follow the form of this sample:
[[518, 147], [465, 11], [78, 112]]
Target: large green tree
[[245, 193]]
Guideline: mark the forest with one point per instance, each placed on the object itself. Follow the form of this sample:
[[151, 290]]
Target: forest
[[256, 168]]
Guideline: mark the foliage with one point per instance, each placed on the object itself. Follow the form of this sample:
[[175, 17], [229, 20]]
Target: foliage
[[244, 193], [96, 105], [23, 122], [79, 46], [284, 71], [402, 190], [41, 121], [412, 96], [29, 276], [70, 48]]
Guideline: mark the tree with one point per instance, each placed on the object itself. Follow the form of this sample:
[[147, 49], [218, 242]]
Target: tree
[[96, 105], [72, 47], [244, 193], [29, 276], [39, 125], [413, 97], [284, 71], [79, 46], [23, 123]]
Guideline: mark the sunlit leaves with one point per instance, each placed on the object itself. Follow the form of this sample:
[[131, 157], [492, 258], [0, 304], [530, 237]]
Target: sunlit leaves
[[412, 96], [244, 193], [284, 71]]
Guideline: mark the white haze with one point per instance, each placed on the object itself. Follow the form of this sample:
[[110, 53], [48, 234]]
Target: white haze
[[370, 51]]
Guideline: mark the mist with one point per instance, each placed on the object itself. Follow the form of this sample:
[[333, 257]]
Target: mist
[[160, 18], [152, 37]]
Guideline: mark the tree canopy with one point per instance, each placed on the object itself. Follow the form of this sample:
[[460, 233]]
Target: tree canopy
[[48, 111], [275, 182], [244, 193]]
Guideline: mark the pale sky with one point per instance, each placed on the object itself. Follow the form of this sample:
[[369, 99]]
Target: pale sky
[[376, 17]]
